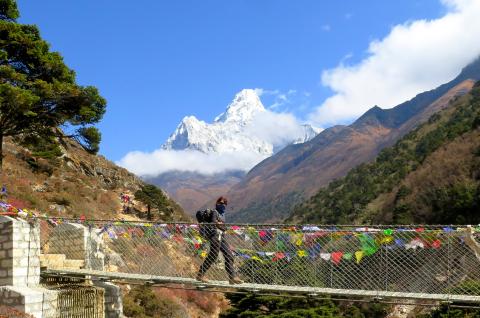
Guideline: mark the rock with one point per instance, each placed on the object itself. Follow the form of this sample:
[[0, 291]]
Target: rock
[[86, 169], [57, 207], [39, 188]]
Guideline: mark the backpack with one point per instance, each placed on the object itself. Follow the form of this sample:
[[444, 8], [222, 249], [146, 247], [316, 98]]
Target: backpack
[[205, 216]]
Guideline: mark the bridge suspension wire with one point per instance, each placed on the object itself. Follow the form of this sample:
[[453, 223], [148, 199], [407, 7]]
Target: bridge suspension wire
[[244, 291], [428, 263]]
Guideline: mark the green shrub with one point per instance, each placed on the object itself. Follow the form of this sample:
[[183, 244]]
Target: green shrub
[[296, 307], [142, 302], [446, 312]]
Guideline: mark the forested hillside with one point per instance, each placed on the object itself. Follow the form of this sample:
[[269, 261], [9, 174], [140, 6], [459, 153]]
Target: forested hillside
[[430, 176], [277, 184]]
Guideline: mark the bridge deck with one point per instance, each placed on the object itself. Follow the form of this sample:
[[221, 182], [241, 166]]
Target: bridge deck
[[263, 287]]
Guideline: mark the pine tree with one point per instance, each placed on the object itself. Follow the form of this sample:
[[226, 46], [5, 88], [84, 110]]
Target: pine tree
[[153, 197], [38, 92]]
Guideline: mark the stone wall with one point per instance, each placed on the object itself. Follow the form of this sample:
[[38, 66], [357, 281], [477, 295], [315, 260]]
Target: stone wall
[[68, 239], [39, 302], [19, 253], [78, 242]]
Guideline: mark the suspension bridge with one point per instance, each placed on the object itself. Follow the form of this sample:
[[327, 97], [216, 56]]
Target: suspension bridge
[[414, 263]]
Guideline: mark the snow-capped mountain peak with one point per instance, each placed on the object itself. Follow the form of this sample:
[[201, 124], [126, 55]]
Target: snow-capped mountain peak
[[243, 108], [231, 131], [225, 133], [309, 132], [187, 134]]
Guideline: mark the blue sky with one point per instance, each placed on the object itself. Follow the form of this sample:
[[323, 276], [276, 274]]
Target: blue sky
[[158, 61]]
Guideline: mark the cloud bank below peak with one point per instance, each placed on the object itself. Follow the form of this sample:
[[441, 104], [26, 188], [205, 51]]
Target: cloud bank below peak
[[151, 164], [238, 139], [414, 57]]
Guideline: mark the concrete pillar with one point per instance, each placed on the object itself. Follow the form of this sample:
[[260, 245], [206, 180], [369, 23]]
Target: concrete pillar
[[19, 253], [20, 265], [113, 299], [20, 269]]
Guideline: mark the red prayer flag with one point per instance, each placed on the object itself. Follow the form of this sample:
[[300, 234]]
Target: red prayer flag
[[278, 255], [337, 257]]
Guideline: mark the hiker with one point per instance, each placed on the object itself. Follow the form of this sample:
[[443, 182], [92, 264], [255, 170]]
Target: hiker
[[216, 237], [3, 192]]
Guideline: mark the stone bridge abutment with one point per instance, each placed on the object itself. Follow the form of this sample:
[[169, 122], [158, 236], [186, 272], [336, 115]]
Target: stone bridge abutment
[[21, 287]]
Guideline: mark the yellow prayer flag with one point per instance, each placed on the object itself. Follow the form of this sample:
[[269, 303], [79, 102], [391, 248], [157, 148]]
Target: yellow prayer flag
[[386, 240], [254, 257], [359, 256]]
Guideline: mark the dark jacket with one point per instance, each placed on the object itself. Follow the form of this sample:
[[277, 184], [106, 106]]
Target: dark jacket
[[219, 219]]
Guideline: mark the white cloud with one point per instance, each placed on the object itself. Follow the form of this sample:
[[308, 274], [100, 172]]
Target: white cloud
[[159, 161], [278, 129], [259, 91], [414, 57], [280, 98], [262, 92]]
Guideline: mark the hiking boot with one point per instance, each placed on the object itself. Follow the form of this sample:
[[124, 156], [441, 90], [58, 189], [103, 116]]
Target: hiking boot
[[201, 278], [235, 280]]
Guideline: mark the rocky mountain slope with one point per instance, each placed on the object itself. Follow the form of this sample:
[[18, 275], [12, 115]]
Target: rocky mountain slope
[[75, 183], [230, 133], [272, 188], [430, 176], [195, 190], [78, 183]]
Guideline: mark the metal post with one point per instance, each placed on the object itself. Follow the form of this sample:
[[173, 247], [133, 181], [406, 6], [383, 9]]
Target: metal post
[[449, 257], [386, 271], [331, 263]]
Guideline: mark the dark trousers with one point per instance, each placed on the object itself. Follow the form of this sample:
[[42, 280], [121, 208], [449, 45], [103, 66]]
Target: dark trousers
[[217, 245]]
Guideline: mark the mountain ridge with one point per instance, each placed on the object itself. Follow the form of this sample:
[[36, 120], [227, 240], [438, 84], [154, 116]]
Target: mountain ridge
[[429, 176], [295, 173]]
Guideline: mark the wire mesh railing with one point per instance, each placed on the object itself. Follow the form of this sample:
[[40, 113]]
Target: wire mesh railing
[[401, 259]]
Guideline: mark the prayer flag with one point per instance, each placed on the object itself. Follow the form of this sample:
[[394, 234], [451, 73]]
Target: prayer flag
[[359, 256], [337, 257]]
